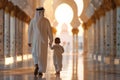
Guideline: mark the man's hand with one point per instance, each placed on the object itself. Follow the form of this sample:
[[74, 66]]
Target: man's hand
[[29, 44], [50, 44]]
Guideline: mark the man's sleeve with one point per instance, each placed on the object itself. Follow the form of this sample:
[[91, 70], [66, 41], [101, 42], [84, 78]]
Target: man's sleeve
[[30, 32], [50, 33]]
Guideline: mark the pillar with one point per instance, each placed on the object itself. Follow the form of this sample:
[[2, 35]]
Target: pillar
[[107, 34], [117, 28], [85, 38], [1, 32], [20, 43], [7, 32], [12, 33], [75, 39], [97, 36]]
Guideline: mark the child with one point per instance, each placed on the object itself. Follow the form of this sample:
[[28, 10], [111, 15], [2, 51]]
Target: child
[[57, 56]]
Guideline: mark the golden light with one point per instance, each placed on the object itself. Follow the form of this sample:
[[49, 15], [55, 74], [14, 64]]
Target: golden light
[[63, 14], [19, 58], [9, 60]]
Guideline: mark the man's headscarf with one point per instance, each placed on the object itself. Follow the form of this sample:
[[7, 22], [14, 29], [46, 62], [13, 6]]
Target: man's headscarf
[[37, 13]]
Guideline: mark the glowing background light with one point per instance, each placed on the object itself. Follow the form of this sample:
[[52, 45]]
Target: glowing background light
[[64, 13]]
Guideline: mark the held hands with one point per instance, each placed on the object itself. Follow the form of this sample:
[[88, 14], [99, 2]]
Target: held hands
[[29, 44], [50, 44]]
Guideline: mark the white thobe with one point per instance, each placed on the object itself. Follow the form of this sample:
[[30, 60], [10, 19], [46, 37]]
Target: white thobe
[[57, 56], [38, 34]]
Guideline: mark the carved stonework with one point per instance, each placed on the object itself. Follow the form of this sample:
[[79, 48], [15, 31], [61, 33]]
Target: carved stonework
[[75, 31], [27, 19], [109, 4], [96, 16], [7, 10], [3, 3], [101, 11], [1, 31], [9, 6], [14, 11], [7, 34], [84, 25], [118, 32], [117, 2], [90, 22], [93, 19]]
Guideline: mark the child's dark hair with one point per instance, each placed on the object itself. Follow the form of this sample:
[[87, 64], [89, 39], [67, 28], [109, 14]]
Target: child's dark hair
[[57, 40]]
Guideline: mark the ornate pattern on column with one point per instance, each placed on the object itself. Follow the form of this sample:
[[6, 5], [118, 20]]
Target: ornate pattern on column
[[91, 39], [85, 43], [20, 38], [95, 42], [12, 33], [7, 32], [102, 33], [3, 3], [25, 38], [97, 36], [75, 39], [113, 35], [17, 36], [1, 32], [117, 2], [118, 32], [107, 34]]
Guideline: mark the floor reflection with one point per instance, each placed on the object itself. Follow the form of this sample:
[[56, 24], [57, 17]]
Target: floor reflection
[[75, 67]]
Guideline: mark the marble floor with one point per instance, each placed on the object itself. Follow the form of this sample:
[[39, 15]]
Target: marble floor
[[75, 67]]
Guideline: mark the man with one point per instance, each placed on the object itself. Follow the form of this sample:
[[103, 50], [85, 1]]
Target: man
[[38, 33]]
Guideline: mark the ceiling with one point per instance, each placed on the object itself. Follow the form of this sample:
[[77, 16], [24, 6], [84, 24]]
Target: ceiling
[[29, 6]]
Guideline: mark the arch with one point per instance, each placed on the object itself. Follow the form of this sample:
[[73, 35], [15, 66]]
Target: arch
[[73, 5]]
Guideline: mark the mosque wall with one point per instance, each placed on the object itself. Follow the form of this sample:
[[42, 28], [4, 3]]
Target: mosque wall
[[13, 33], [106, 21]]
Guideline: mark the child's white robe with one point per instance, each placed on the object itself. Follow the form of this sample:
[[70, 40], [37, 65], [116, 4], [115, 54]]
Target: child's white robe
[[57, 56]]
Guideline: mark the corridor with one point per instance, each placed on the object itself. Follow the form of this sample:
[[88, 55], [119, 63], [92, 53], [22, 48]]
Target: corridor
[[75, 67], [89, 31]]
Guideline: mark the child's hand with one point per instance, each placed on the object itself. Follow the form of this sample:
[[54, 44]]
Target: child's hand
[[29, 44], [50, 44]]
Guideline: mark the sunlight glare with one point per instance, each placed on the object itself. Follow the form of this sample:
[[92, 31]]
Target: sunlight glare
[[64, 13], [9, 60]]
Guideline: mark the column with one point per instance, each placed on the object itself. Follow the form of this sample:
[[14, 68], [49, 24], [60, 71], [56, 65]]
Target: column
[[102, 33], [1, 32], [91, 39], [97, 37], [25, 38], [113, 33], [12, 34], [107, 33], [85, 42], [118, 32], [92, 34], [117, 2], [17, 30], [20, 35], [75, 39], [7, 33]]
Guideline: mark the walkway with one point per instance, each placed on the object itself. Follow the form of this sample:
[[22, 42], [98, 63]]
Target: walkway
[[74, 68]]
